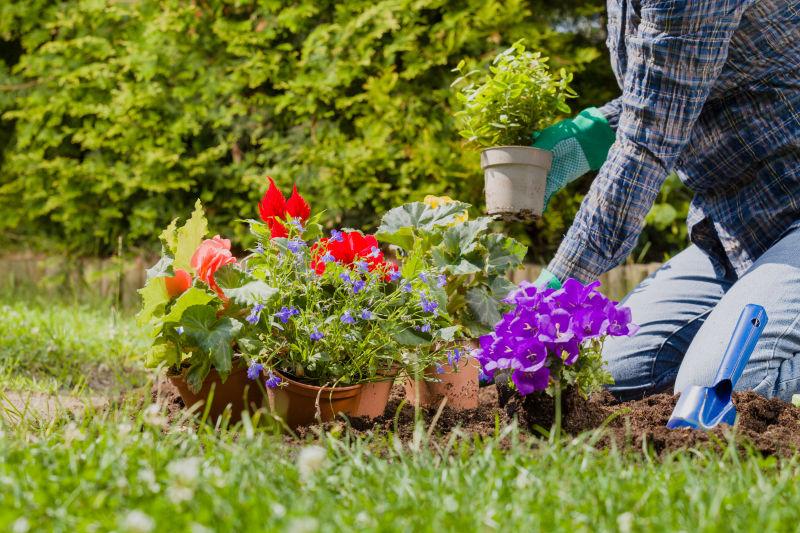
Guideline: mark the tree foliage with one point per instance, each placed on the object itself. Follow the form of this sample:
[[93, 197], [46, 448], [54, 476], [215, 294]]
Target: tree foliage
[[117, 115]]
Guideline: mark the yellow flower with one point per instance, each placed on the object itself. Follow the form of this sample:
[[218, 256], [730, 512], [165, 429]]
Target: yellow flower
[[435, 201]]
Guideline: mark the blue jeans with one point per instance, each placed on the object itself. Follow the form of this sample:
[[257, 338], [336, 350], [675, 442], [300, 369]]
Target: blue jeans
[[687, 311]]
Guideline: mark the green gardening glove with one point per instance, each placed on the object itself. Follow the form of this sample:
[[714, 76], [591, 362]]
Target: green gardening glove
[[547, 280], [579, 144]]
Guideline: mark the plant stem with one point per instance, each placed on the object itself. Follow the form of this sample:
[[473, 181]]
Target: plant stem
[[555, 432]]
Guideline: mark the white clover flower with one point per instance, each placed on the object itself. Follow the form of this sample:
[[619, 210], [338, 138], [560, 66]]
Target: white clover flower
[[303, 525], [310, 459], [21, 525], [625, 522], [72, 433], [137, 522], [153, 416], [184, 471]]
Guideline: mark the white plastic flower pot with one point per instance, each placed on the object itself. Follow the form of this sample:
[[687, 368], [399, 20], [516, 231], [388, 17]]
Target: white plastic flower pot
[[515, 179]]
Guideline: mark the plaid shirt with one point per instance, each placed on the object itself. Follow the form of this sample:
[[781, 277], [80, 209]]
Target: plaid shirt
[[711, 90]]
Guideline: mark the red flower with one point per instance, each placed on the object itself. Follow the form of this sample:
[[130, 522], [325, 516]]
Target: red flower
[[179, 283], [349, 248], [210, 256], [274, 209]]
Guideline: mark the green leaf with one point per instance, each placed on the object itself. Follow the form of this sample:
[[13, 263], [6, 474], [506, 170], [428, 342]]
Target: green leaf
[[414, 263], [500, 287], [189, 237], [214, 336], [483, 306], [199, 367], [191, 297], [168, 238], [399, 225], [165, 352], [504, 253], [243, 288], [162, 268], [447, 334], [154, 299], [410, 337]]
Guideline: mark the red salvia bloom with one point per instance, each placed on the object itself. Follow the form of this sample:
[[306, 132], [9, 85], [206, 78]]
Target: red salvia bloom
[[274, 209]]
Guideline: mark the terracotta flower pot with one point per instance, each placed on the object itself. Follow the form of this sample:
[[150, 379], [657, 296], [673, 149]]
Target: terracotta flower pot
[[237, 391], [515, 179], [460, 388], [296, 403]]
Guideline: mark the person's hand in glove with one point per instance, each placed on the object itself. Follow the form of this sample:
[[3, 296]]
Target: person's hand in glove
[[579, 144]]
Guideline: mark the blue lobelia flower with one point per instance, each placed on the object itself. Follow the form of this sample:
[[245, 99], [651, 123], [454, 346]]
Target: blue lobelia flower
[[366, 314], [425, 328], [439, 369], [259, 248], [297, 224], [454, 357], [316, 335], [394, 275], [286, 313], [363, 266], [179, 330], [375, 252], [255, 314], [328, 258], [359, 285], [441, 281], [272, 380], [344, 276], [406, 287], [347, 318], [254, 370], [428, 306], [295, 246], [336, 235], [424, 277]]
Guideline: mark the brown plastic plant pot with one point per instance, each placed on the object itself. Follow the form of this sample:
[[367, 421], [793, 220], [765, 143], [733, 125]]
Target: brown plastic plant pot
[[514, 180], [296, 403], [460, 388], [237, 391]]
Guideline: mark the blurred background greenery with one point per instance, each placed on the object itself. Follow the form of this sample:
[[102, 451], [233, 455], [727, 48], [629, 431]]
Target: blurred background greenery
[[116, 115]]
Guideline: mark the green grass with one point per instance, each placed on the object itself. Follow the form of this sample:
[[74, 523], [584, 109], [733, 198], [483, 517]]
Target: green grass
[[117, 469], [60, 347]]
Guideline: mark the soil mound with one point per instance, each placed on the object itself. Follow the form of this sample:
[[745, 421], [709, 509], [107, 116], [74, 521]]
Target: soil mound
[[772, 427]]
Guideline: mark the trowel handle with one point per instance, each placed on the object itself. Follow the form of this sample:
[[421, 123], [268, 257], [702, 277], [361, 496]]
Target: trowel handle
[[743, 341]]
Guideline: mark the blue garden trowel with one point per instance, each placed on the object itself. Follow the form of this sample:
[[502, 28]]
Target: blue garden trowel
[[705, 407]]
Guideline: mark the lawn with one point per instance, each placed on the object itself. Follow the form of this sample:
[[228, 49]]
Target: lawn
[[117, 468]]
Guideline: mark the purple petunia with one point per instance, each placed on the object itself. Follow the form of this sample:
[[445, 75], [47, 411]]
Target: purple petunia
[[254, 370], [347, 318], [316, 335], [272, 380], [286, 313], [549, 324]]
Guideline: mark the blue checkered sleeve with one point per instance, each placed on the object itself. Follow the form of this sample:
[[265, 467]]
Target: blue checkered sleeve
[[673, 59]]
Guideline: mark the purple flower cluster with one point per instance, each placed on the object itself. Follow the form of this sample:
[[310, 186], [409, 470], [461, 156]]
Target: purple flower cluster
[[546, 325]]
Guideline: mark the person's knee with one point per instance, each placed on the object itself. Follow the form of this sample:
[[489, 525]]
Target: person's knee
[[637, 366]]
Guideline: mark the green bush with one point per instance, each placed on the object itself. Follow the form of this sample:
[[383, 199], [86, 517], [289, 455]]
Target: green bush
[[118, 115]]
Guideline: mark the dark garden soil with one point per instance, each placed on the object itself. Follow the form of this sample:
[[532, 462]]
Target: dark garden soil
[[771, 427]]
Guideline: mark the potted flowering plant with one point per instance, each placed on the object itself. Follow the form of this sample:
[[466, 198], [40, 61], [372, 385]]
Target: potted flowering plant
[[345, 317], [553, 339], [500, 112], [472, 263], [194, 322]]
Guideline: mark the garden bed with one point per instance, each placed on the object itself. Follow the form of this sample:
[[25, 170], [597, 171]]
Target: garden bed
[[772, 427]]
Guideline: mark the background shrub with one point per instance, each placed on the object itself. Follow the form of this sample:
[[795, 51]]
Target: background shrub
[[117, 115]]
